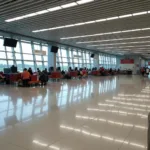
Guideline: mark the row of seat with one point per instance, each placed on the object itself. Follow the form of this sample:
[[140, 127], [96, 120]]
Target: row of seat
[[14, 78]]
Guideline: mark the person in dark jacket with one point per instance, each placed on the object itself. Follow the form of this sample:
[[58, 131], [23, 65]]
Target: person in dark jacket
[[30, 71], [43, 78]]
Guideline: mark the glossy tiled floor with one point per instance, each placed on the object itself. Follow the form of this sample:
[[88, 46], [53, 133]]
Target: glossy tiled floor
[[99, 113]]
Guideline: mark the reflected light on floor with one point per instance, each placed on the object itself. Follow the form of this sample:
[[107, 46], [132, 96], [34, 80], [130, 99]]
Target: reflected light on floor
[[96, 135]]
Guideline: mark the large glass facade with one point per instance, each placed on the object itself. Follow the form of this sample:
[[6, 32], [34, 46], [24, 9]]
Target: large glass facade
[[30, 53], [72, 57], [107, 61], [24, 55]]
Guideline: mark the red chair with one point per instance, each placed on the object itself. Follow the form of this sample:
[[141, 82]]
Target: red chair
[[34, 80], [74, 74], [55, 75], [95, 72], [13, 78]]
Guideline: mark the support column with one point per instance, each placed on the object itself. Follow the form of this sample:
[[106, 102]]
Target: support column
[[96, 61], [51, 58]]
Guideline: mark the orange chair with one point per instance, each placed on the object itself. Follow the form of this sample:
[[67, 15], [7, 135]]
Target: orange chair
[[34, 80]]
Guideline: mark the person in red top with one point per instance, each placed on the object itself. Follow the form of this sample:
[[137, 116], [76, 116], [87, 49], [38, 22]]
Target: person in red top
[[84, 73], [143, 71], [25, 77]]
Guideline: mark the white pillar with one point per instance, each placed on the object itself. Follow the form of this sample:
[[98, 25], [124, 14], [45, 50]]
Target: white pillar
[[51, 58], [96, 61]]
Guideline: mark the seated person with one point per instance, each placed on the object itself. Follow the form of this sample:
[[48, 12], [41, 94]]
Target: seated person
[[30, 71], [25, 77], [110, 71], [63, 72], [43, 78], [80, 73], [38, 71], [13, 69], [84, 73], [2, 78], [67, 75]]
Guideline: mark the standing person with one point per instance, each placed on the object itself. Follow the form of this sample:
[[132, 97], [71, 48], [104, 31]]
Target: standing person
[[25, 77], [142, 71], [147, 71]]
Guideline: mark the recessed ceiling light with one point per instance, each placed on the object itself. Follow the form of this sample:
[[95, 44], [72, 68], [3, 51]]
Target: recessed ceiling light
[[101, 20], [127, 31], [42, 12], [70, 25], [50, 10], [84, 1], [31, 15], [18, 18], [54, 8], [99, 34], [112, 18], [79, 24], [125, 16], [60, 27], [89, 22], [116, 32], [106, 19], [125, 46], [118, 43], [140, 13], [69, 5], [145, 28]]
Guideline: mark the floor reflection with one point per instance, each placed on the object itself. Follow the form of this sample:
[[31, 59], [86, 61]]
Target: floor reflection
[[70, 113], [25, 104]]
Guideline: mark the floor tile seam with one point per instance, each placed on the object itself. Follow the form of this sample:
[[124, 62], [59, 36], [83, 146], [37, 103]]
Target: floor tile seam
[[126, 138], [64, 137]]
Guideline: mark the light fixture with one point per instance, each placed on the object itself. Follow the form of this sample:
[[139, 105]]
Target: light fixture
[[54, 8], [99, 41], [49, 10], [84, 1], [79, 24], [112, 18], [125, 16], [104, 19], [69, 5], [101, 20], [140, 13], [89, 22], [70, 25], [42, 12], [30, 15], [105, 33], [126, 46], [119, 43]]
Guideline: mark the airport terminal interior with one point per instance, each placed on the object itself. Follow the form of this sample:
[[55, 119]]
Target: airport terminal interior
[[74, 75]]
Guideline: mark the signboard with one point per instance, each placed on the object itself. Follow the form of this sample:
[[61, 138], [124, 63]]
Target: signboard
[[77, 56], [38, 52], [127, 61]]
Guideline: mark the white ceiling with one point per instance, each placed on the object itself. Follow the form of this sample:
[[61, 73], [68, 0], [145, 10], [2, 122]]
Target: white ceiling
[[98, 9]]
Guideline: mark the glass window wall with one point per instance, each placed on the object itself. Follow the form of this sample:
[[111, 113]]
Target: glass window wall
[[23, 55]]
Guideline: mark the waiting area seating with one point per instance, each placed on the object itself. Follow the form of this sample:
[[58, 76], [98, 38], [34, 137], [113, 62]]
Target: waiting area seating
[[29, 78], [56, 75], [34, 80]]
